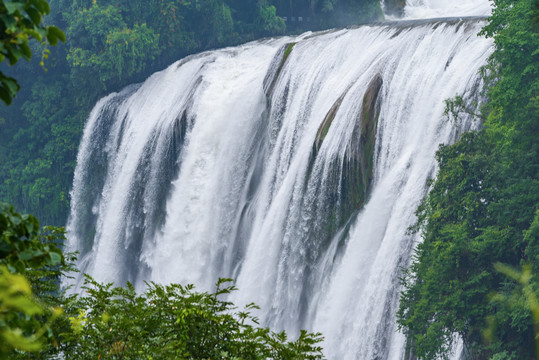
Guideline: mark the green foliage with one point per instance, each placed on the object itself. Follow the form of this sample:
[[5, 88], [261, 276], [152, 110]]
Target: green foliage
[[457, 107], [173, 321], [163, 322], [17, 310], [34, 252], [20, 21], [21, 247], [346, 12], [31, 263], [513, 65], [322, 14], [268, 20], [175, 37], [482, 209], [218, 28], [523, 301], [105, 49]]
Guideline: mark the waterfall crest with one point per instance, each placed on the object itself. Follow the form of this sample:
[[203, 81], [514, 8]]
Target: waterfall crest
[[421, 9], [243, 163]]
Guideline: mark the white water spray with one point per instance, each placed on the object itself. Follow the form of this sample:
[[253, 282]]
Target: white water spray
[[209, 170], [424, 9]]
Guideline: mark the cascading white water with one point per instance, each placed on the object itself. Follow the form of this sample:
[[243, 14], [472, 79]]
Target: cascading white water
[[422, 9], [215, 167]]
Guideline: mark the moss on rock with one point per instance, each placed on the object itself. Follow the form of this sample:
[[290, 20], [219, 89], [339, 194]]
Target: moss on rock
[[273, 75], [352, 176], [328, 120]]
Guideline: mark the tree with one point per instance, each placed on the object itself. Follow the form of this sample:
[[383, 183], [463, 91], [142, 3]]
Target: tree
[[23, 248], [31, 263], [163, 322], [482, 210], [20, 21], [19, 328], [173, 322], [268, 21]]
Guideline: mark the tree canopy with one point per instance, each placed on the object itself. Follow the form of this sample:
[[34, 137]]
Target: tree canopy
[[21, 21], [111, 322], [482, 209]]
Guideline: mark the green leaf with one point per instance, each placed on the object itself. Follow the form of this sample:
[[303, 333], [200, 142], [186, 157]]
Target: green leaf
[[54, 34], [18, 341], [33, 33], [14, 54], [13, 7], [56, 258], [34, 15], [11, 84], [26, 51], [41, 5]]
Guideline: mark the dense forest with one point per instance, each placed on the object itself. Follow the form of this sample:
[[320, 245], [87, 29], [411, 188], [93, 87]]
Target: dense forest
[[110, 44], [475, 274]]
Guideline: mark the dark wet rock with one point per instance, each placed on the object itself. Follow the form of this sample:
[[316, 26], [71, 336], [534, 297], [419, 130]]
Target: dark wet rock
[[276, 66], [350, 177]]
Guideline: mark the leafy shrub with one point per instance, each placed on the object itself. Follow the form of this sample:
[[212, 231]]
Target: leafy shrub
[[173, 322]]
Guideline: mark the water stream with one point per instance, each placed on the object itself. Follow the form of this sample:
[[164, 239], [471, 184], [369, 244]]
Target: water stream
[[236, 163]]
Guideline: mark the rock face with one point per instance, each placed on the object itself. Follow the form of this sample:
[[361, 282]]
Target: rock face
[[348, 181], [328, 119], [361, 155], [394, 7], [352, 176], [275, 68]]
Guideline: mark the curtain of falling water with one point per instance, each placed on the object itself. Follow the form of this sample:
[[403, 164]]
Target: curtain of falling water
[[233, 163]]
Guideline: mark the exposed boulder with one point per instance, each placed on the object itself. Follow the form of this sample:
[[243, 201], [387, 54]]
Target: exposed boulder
[[328, 119], [351, 176], [362, 149], [275, 68]]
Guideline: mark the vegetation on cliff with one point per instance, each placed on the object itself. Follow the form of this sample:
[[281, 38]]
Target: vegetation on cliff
[[483, 209], [38, 319]]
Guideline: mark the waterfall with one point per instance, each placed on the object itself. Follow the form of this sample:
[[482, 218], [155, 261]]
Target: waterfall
[[293, 165], [421, 9]]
